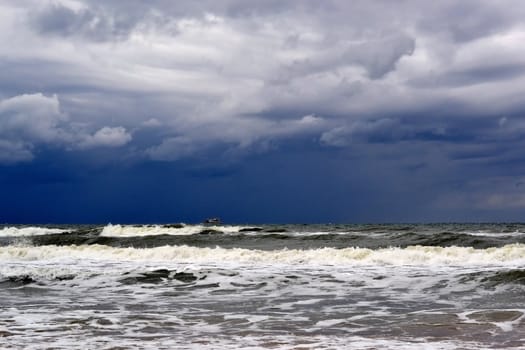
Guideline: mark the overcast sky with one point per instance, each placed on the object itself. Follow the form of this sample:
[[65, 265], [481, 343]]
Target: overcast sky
[[262, 111]]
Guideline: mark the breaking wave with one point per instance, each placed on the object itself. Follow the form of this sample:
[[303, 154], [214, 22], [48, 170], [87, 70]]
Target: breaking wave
[[155, 230], [29, 231], [513, 254]]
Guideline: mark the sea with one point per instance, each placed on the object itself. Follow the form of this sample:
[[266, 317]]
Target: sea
[[187, 286]]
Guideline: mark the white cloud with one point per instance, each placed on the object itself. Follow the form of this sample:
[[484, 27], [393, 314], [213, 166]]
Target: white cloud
[[152, 123], [26, 120], [172, 148], [30, 120], [338, 137], [106, 137], [341, 136], [33, 116]]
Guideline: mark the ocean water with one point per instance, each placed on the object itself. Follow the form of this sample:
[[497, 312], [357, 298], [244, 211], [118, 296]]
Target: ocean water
[[439, 286]]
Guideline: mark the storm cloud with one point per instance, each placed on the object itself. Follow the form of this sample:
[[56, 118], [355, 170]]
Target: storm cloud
[[430, 93]]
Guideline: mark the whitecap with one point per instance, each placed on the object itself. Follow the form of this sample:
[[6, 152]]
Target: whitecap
[[509, 255], [29, 231]]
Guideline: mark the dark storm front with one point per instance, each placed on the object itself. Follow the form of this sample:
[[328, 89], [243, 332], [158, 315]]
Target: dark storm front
[[317, 286]]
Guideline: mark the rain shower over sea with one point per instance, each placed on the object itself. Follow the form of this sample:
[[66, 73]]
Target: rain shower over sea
[[435, 286]]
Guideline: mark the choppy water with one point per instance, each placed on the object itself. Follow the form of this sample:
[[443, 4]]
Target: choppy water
[[263, 287]]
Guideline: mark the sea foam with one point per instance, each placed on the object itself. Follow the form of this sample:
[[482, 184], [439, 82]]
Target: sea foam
[[155, 230], [509, 255], [29, 231]]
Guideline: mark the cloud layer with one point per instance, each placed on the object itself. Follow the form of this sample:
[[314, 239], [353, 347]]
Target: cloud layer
[[197, 67]]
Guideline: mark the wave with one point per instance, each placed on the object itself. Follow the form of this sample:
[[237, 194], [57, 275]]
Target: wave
[[511, 276], [156, 230], [29, 231], [513, 254], [248, 237], [183, 230], [494, 234], [408, 237], [495, 278]]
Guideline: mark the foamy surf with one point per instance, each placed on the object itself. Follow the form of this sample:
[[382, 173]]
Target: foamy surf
[[495, 234], [156, 230], [513, 254], [29, 231], [259, 287]]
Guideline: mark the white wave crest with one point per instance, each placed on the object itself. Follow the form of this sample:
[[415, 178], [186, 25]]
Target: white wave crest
[[513, 254], [155, 230], [494, 234], [28, 231]]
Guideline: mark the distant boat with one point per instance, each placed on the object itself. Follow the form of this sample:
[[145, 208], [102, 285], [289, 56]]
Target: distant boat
[[212, 221]]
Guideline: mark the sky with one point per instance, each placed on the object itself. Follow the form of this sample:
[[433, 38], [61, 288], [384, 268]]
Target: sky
[[269, 111]]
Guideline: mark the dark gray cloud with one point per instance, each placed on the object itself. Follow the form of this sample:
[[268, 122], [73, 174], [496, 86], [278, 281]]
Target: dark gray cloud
[[91, 22], [472, 76], [470, 20], [377, 57]]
